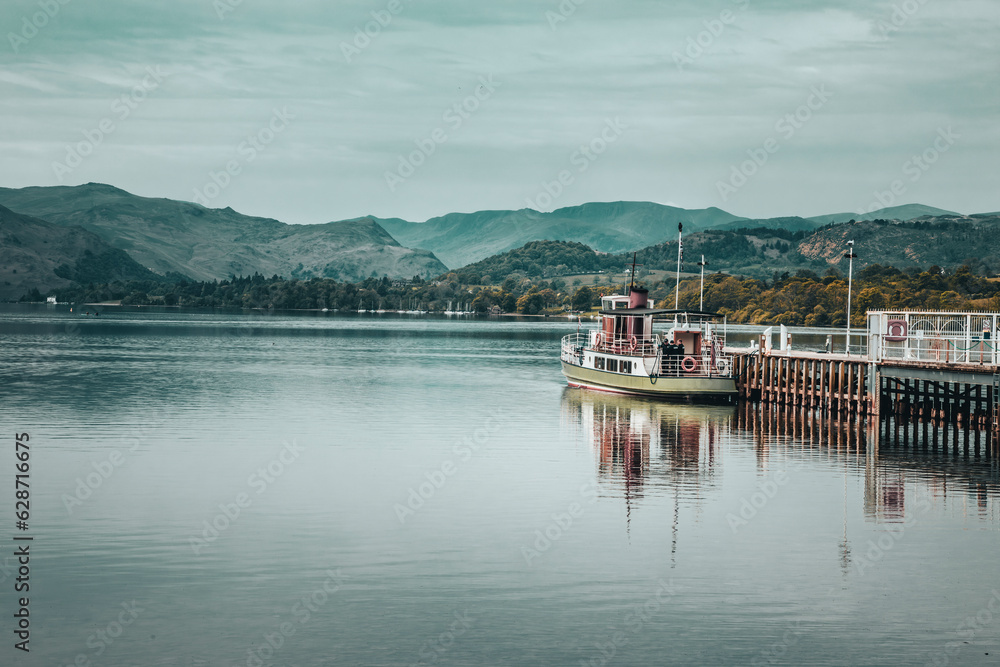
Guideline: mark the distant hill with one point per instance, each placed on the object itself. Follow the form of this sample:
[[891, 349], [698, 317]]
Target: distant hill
[[904, 213], [459, 239], [207, 244], [183, 239], [538, 259], [793, 224], [757, 252], [947, 241], [753, 252], [35, 254]]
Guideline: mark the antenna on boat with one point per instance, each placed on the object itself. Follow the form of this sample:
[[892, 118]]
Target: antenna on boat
[[701, 298], [680, 256], [632, 282]]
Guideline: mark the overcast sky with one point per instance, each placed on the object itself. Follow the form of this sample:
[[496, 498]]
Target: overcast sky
[[760, 107]]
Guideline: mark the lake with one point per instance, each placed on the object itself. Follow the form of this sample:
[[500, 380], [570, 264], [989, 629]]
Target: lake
[[225, 488]]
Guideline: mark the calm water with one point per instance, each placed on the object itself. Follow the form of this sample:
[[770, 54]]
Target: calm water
[[427, 491]]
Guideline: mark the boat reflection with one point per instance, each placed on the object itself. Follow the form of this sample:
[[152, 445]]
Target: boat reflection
[[642, 444]]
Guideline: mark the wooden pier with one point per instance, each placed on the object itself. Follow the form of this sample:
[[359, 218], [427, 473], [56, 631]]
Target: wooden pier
[[937, 367], [836, 383]]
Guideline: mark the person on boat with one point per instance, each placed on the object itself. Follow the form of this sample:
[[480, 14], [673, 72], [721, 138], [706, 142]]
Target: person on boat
[[672, 350]]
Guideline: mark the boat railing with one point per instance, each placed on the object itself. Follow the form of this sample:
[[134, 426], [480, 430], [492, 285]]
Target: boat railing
[[703, 365], [721, 365], [626, 344], [572, 347]]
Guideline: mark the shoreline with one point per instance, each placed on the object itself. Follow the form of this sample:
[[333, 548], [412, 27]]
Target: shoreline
[[569, 317], [284, 310]]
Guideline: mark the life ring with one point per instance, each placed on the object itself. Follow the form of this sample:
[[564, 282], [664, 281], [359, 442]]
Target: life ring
[[896, 330], [632, 342], [689, 364]]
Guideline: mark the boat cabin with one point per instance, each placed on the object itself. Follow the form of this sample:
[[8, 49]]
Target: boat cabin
[[627, 323], [627, 328]]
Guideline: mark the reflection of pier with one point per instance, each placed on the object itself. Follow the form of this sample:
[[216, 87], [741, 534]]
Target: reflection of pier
[[895, 452], [647, 451]]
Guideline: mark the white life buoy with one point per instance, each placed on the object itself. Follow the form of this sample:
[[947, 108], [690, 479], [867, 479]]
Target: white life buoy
[[689, 364]]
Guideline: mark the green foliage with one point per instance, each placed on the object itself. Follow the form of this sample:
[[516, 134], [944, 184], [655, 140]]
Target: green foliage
[[583, 299], [112, 264], [535, 260], [805, 299], [33, 296], [802, 299], [256, 291], [530, 304]]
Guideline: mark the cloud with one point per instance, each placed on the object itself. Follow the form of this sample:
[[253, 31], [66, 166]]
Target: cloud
[[560, 81]]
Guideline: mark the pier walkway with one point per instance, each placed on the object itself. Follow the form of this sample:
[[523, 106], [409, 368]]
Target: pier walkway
[[932, 365]]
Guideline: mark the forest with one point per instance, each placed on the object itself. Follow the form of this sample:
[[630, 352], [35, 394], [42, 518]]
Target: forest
[[806, 299], [802, 299]]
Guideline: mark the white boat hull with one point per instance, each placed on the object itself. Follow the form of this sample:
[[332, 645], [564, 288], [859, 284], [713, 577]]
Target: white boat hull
[[678, 387]]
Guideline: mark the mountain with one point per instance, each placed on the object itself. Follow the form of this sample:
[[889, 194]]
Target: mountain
[[460, 239], [174, 237], [904, 213], [946, 241], [209, 244], [35, 254], [613, 227], [793, 224], [538, 259]]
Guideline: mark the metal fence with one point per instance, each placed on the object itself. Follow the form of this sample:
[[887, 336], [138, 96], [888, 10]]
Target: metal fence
[[933, 336]]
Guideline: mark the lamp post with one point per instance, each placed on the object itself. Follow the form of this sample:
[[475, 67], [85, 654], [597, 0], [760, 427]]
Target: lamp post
[[850, 275], [680, 255], [701, 297]]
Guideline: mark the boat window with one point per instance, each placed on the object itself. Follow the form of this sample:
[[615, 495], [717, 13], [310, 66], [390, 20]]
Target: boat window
[[613, 365], [626, 367], [599, 363]]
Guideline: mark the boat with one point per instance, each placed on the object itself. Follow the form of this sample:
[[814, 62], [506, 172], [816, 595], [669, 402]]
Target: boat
[[627, 354]]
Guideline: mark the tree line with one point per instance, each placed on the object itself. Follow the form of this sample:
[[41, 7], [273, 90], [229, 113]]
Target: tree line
[[802, 299], [807, 299]]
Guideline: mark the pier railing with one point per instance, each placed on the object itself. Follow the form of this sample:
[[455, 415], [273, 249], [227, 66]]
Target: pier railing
[[934, 366], [933, 337]]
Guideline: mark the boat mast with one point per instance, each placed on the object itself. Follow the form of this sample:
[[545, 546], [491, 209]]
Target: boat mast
[[632, 281], [680, 254], [701, 297]]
